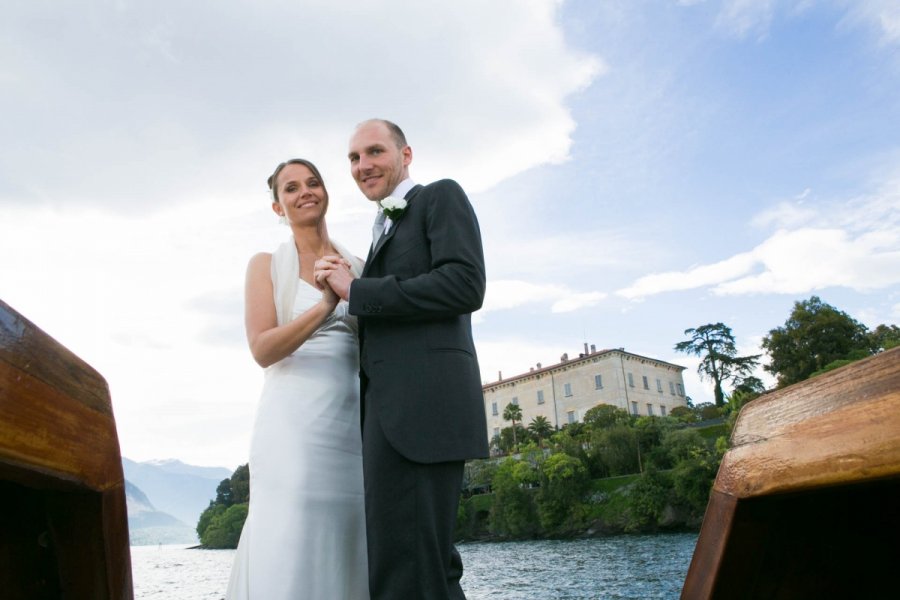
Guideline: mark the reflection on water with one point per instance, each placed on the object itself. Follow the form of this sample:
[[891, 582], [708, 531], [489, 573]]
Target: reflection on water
[[639, 567], [175, 572], [647, 566]]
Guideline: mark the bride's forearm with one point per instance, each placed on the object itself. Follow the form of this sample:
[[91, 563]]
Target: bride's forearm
[[272, 345]]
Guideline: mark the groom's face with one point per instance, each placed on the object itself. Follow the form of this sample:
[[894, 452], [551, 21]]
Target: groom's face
[[376, 163]]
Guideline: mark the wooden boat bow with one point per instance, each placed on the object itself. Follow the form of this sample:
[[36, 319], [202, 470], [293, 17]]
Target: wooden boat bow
[[806, 503], [63, 517]]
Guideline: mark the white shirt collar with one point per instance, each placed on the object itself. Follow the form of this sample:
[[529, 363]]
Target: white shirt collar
[[403, 188]]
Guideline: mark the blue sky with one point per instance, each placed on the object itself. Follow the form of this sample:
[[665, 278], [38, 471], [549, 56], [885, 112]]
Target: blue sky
[[638, 167]]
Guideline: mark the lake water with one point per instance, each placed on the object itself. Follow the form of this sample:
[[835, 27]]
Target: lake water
[[639, 567]]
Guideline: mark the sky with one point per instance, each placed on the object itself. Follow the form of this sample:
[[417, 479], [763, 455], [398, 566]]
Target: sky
[[638, 167]]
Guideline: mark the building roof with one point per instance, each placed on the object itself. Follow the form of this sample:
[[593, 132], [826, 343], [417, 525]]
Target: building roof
[[567, 363]]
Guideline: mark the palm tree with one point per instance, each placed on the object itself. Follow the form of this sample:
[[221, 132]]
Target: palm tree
[[540, 427], [513, 413]]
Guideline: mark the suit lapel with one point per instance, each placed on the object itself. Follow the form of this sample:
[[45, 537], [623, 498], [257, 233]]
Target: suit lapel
[[410, 195]]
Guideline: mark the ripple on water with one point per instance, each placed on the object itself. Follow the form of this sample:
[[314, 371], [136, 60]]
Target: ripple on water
[[616, 568]]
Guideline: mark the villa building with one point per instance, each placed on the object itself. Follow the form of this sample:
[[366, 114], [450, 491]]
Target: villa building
[[565, 391]]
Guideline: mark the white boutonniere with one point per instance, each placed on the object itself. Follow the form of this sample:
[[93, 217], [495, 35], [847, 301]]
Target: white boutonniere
[[393, 207]]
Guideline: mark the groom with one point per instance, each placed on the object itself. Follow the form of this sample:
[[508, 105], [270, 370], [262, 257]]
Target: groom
[[423, 410]]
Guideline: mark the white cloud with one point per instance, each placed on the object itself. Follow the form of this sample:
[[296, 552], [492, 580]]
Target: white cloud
[[132, 181], [577, 301], [805, 260], [131, 296], [883, 15], [854, 245], [164, 102], [742, 18], [517, 354], [693, 278], [508, 294], [788, 214]]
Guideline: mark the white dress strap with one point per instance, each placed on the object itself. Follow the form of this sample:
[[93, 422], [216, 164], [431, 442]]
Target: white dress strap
[[286, 275]]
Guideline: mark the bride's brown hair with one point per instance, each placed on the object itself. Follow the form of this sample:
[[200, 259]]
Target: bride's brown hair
[[273, 178]]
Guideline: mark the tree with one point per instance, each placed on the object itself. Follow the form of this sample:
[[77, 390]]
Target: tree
[[571, 440], [615, 449], [224, 529], [478, 475], [240, 484], [513, 413], [223, 493], [513, 511], [540, 427], [884, 337], [606, 415], [564, 481], [648, 497], [750, 385], [219, 526], [211, 512], [510, 438], [720, 362], [706, 411], [681, 444], [682, 413], [235, 489], [814, 335]]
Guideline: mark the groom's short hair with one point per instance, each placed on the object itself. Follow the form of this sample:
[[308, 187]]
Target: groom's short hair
[[396, 133]]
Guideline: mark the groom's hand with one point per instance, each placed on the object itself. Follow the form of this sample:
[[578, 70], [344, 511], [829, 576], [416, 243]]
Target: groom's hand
[[334, 272]]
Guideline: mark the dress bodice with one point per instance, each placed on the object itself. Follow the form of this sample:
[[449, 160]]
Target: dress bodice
[[307, 296]]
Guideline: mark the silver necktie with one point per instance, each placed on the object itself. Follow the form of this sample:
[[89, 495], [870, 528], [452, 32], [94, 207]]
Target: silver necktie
[[378, 228]]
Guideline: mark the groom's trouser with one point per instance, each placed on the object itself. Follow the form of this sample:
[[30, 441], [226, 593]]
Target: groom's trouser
[[410, 517]]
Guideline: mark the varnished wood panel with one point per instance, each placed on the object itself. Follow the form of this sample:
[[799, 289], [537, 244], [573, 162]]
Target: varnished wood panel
[[43, 428], [28, 350], [805, 501], [63, 516]]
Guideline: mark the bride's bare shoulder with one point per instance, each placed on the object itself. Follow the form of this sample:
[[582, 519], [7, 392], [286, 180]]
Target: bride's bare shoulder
[[260, 261]]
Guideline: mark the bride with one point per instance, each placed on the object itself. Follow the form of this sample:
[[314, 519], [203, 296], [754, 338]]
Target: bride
[[305, 531]]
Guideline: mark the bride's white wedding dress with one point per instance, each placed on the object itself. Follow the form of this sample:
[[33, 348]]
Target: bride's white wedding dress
[[305, 534]]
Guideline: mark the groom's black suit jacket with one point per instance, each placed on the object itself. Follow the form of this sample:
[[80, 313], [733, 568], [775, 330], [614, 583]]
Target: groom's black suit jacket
[[414, 302]]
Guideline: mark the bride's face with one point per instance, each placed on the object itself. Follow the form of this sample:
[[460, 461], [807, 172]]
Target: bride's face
[[301, 195]]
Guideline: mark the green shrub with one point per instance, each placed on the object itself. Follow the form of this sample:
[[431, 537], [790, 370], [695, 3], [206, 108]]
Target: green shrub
[[564, 481], [513, 512], [224, 530], [647, 499]]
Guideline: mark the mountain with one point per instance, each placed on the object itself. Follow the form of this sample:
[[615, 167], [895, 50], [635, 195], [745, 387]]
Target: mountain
[[178, 489], [173, 465], [146, 525]]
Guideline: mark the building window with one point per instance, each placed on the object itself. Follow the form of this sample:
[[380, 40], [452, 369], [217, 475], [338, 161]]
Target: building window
[[571, 416], [671, 388], [598, 382], [567, 389], [649, 409], [662, 410], [494, 408], [680, 389], [540, 396], [515, 400], [631, 381], [659, 385], [646, 382], [496, 432], [634, 408]]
